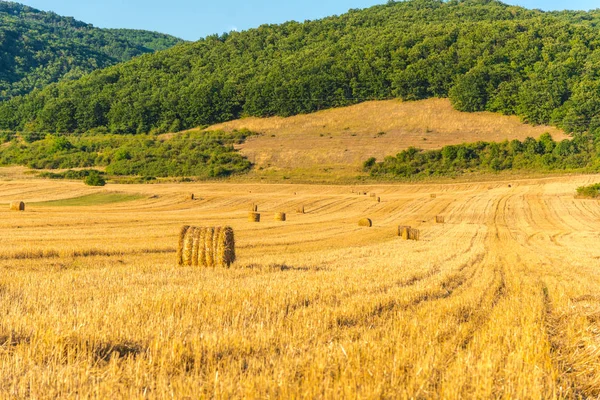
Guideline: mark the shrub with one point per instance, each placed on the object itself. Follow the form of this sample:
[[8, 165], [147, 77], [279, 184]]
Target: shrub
[[94, 179], [591, 191]]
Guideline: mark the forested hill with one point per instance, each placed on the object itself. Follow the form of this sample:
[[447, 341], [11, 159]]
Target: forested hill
[[483, 54], [37, 48]]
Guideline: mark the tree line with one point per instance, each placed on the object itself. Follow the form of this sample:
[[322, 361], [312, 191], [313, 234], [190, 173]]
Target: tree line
[[193, 154], [582, 153]]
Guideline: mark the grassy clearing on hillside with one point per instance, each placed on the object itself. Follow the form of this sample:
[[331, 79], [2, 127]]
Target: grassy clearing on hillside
[[95, 199], [342, 138]]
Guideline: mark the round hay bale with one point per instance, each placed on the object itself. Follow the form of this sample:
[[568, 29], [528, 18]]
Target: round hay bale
[[280, 216], [191, 196], [365, 222], [206, 246], [300, 210], [17, 206], [254, 217], [378, 199]]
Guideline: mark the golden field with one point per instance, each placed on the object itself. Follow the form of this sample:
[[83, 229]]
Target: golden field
[[501, 301]]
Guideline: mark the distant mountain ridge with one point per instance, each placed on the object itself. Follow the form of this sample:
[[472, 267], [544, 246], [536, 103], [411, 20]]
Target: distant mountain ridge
[[38, 48], [482, 54]]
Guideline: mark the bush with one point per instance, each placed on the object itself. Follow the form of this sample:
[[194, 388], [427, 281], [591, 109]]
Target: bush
[[94, 179], [591, 191]]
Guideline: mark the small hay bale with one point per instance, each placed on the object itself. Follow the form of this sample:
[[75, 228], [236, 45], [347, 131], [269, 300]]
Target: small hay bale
[[300, 210], [280, 216], [365, 222], [17, 206], [433, 195], [191, 196], [439, 219], [402, 228], [406, 233], [206, 246], [378, 199], [414, 234], [509, 186], [372, 194], [253, 208], [254, 217]]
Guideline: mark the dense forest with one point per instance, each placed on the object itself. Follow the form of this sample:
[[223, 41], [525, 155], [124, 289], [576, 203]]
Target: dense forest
[[482, 54], [38, 48]]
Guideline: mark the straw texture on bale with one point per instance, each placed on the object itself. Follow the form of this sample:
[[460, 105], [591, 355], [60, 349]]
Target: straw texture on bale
[[414, 234], [253, 208], [439, 219], [365, 222], [280, 216], [300, 210], [17, 206], [254, 217], [206, 246]]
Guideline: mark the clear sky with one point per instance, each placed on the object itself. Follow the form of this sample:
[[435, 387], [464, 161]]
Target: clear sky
[[193, 19]]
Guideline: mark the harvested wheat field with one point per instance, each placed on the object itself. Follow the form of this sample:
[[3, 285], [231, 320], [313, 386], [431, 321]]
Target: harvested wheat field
[[500, 301]]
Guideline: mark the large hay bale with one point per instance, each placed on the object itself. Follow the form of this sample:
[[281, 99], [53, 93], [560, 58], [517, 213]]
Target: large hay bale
[[439, 219], [365, 222], [254, 217], [253, 208], [206, 246], [280, 216], [300, 210], [17, 206]]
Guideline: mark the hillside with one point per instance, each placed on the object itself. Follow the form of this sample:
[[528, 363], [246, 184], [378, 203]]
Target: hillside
[[38, 48], [483, 55], [343, 138]]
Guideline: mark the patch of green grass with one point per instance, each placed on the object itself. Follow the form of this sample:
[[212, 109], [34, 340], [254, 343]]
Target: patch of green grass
[[94, 199]]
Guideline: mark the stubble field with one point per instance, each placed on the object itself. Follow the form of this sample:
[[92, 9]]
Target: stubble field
[[501, 301]]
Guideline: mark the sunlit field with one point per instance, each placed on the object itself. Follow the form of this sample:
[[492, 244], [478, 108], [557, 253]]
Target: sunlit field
[[500, 301]]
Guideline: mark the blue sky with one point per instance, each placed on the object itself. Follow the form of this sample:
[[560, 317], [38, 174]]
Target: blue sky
[[193, 19]]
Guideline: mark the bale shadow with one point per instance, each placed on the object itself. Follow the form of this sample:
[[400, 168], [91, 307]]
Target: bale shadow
[[106, 351]]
